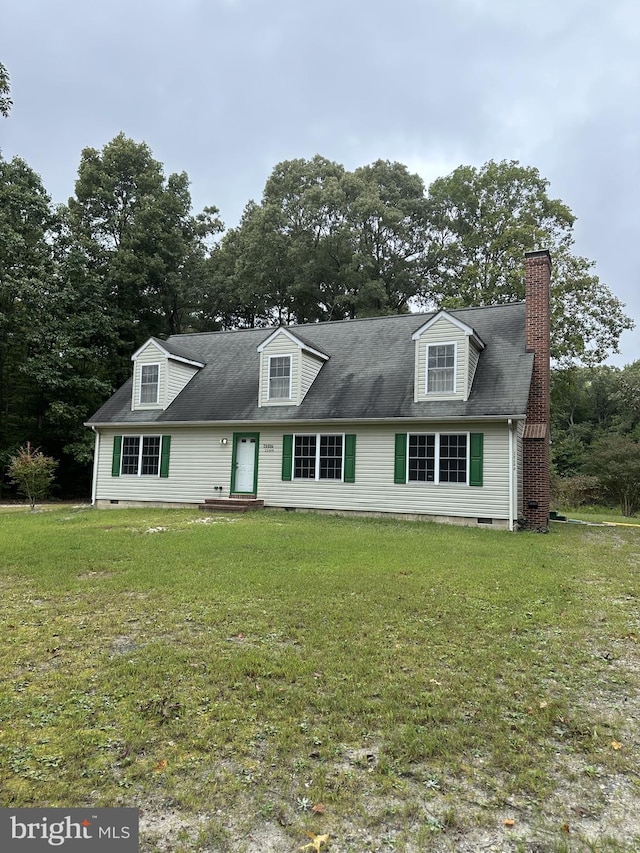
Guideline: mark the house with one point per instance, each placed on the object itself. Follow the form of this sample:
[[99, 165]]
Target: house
[[442, 416]]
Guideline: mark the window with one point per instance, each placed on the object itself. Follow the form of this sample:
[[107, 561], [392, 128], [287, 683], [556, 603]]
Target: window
[[317, 457], [280, 377], [422, 458], [441, 369], [438, 458], [141, 455], [453, 458], [149, 383]]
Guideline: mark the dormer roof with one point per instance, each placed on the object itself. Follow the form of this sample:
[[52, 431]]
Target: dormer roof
[[455, 321], [171, 350], [296, 339]]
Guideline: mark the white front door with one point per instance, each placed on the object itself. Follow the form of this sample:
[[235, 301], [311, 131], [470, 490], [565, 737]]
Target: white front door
[[245, 464]]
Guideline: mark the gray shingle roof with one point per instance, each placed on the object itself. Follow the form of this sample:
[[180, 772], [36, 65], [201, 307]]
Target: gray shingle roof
[[369, 374], [174, 347]]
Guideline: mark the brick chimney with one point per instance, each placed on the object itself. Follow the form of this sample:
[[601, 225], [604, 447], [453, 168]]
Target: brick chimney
[[535, 446]]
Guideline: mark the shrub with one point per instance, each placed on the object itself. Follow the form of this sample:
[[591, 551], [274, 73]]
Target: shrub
[[615, 461], [581, 490], [32, 472]]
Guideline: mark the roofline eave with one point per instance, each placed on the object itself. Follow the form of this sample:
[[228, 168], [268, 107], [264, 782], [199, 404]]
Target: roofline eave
[[496, 418]]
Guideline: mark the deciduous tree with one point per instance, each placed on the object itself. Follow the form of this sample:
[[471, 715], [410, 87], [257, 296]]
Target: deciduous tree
[[5, 92], [141, 241], [26, 266], [615, 461], [484, 220]]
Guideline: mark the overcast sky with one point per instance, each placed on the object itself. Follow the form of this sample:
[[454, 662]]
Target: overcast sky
[[225, 89]]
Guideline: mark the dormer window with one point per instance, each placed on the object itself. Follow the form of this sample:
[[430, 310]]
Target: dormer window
[[280, 377], [441, 368], [149, 383]]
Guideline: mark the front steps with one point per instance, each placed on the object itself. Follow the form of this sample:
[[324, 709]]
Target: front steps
[[231, 504]]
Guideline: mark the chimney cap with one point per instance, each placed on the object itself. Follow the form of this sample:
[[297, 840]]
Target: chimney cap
[[538, 253]]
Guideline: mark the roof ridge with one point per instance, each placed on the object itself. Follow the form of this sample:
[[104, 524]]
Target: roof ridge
[[267, 330]]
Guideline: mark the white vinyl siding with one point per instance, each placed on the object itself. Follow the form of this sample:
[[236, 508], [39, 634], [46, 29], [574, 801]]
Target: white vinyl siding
[[199, 463], [310, 368], [519, 480], [374, 489], [149, 357], [173, 376], [179, 376], [441, 333], [280, 346], [474, 356]]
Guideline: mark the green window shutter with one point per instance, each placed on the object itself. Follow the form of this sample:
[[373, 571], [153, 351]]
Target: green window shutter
[[117, 451], [165, 452], [475, 462], [400, 467], [287, 456], [349, 458]]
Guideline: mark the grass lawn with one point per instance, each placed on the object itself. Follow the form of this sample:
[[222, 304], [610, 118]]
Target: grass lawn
[[246, 680], [600, 514]]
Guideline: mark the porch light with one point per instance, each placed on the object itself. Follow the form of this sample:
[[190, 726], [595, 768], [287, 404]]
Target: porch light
[[224, 441]]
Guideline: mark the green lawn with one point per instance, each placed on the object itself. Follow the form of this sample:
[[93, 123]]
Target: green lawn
[[600, 514], [396, 686]]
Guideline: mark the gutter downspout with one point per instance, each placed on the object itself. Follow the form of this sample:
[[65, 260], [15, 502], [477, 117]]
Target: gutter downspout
[[511, 466], [94, 484]]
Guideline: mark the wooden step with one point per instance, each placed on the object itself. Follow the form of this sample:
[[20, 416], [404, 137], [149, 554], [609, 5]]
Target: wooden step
[[230, 504]]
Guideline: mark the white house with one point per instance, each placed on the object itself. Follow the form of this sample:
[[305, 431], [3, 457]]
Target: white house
[[442, 415]]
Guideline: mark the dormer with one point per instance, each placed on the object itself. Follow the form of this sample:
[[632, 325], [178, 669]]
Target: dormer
[[288, 367], [159, 375], [446, 357]]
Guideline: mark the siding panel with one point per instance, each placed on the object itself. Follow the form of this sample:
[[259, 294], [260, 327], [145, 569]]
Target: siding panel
[[310, 368], [150, 355], [199, 463], [280, 345], [442, 332], [179, 375]]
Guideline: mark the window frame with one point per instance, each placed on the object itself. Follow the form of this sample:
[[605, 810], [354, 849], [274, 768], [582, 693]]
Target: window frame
[[454, 368], [318, 457], [140, 455], [283, 356], [437, 459], [144, 384]]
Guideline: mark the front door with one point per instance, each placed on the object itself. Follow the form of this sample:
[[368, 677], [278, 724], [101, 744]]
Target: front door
[[245, 454]]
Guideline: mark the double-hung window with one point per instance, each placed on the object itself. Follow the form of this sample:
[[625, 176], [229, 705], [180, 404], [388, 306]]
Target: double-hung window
[[141, 455], [441, 368], [280, 377], [318, 457], [438, 458], [149, 383]]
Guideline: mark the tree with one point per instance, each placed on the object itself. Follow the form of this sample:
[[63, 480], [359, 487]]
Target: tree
[[143, 248], [32, 472], [328, 244], [389, 215], [628, 398], [483, 221], [26, 265], [71, 340], [615, 460], [5, 92]]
